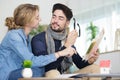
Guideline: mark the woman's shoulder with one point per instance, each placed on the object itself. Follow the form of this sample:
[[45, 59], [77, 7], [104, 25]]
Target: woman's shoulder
[[14, 31], [15, 34]]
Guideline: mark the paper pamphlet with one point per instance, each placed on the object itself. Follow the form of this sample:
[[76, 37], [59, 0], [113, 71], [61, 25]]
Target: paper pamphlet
[[95, 43], [67, 75]]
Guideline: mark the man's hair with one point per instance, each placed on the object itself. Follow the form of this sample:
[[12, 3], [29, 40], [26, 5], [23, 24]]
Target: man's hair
[[66, 10]]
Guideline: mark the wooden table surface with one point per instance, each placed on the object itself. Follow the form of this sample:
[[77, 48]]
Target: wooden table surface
[[46, 78]]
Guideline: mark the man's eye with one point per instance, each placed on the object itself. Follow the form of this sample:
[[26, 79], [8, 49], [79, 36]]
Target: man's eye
[[53, 16], [61, 18]]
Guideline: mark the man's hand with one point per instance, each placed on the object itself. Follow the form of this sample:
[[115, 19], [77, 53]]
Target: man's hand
[[72, 36], [93, 57]]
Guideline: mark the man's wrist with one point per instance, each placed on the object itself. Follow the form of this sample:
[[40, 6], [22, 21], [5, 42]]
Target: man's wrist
[[91, 61], [65, 45]]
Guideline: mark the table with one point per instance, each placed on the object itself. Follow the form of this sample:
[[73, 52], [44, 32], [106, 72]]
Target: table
[[77, 77], [46, 78], [106, 76]]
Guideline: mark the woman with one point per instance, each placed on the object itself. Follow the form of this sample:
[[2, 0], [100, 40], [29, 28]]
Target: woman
[[16, 47]]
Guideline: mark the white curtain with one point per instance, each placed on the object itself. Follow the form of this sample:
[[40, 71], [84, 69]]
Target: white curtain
[[107, 17]]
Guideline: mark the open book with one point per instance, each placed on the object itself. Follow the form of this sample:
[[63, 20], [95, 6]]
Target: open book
[[95, 43]]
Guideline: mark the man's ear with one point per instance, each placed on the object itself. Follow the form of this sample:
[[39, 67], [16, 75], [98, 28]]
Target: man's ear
[[67, 23]]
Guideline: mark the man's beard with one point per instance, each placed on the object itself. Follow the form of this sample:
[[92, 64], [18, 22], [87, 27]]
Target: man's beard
[[58, 30]]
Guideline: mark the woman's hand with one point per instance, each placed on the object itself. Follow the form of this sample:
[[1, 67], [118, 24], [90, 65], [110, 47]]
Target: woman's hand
[[66, 52]]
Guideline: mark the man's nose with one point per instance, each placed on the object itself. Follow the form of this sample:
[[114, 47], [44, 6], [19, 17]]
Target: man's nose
[[56, 20]]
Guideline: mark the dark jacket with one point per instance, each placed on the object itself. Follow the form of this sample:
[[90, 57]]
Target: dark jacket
[[39, 47]]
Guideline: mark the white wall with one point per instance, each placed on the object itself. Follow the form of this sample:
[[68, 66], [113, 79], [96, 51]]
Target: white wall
[[81, 6], [7, 9]]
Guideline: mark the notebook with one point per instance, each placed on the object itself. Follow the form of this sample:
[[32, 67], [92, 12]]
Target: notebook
[[95, 43]]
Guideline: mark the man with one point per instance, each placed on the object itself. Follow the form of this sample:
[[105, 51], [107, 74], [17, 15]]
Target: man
[[56, 38]]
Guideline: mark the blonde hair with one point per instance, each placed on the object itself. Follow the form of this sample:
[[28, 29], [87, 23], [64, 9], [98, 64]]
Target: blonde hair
[[10, 23], [23, 14]]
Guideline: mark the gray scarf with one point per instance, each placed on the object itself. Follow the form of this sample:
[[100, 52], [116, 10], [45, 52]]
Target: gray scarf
[[50, 35]]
